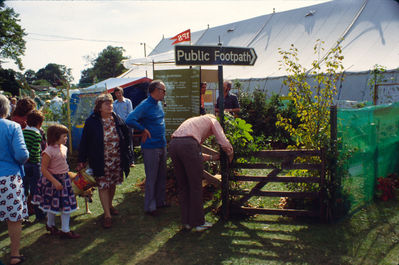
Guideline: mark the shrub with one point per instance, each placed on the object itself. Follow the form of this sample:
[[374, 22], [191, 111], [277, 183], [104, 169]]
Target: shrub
[[262, 113]]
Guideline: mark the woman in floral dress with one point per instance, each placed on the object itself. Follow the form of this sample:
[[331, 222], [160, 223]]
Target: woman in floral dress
[[106, 146]]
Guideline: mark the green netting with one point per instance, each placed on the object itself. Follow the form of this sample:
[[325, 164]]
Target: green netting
[[371, 136], [82, 105]]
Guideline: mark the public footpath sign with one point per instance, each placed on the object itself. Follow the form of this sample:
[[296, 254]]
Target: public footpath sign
[[214, 55]]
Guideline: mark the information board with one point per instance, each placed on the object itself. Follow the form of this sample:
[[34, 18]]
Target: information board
[[182, 96]]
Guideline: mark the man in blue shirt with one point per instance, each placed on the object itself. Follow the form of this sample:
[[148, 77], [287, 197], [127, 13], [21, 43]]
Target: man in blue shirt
[[230, 100], [148, 117], [122, 105]]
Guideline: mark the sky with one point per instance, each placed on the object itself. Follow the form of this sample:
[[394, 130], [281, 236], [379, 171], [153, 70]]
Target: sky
[[71, 33]]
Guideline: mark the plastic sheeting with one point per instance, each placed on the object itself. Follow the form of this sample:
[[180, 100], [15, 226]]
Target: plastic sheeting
[[370, 136]]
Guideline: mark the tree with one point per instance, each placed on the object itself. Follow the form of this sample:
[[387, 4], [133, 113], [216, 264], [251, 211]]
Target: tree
[[12, 44], [56, 74], [30, 76], [87, 77], [8, 81], [107, 64], [311, 103]]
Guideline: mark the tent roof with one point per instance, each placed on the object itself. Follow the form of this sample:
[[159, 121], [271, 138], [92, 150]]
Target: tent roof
[[369, 29], [111, 83]]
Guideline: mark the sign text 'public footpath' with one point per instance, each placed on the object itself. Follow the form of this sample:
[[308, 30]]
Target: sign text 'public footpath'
[[214, 55]]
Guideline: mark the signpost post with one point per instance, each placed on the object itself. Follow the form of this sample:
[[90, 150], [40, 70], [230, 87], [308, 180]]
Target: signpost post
[[217, 55]]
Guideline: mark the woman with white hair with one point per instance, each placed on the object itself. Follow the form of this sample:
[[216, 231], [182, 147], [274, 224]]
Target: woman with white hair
[[12, 197]]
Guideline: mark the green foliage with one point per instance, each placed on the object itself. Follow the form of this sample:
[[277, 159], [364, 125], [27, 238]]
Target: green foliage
[[339, 195], [262, 113], [107, 64], [55, 74], [29, 76], [12, 44], [41, 82], [238, 132], [377, 76], [311, 102], [55, 115], [8, 81]]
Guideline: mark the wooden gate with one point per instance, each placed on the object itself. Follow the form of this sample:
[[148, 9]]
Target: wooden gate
[[279, 161]]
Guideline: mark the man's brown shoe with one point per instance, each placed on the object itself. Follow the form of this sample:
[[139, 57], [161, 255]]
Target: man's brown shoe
[[152, 213]]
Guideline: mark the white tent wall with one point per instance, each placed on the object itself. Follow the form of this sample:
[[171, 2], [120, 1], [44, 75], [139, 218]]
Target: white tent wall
[[368, 30], [374, 38], [353, 87]]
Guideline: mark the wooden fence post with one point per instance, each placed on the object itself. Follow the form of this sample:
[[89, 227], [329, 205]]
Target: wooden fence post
[[334, 182], [224, 163]]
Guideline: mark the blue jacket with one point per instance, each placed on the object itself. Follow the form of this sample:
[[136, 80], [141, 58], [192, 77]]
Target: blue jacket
[[149, 115], [91, 147], [13, 152]]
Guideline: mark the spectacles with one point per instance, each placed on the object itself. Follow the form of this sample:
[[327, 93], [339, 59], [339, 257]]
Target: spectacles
[[162, 89]]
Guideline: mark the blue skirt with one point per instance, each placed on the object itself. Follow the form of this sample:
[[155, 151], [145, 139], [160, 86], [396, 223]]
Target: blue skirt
[[55, 201]]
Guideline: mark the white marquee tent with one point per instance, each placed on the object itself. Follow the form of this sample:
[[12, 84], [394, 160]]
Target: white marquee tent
[[369, 30]]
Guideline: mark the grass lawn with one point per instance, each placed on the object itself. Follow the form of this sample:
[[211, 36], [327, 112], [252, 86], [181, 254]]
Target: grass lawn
[[371, 236]]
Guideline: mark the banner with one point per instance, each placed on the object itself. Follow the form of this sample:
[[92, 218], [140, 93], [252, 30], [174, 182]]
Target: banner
[[181, 37]]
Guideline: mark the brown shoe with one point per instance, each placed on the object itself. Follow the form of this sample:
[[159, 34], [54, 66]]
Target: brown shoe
[[113, 211], [53, 230], [152, 213], [107, 222], [69, 235]]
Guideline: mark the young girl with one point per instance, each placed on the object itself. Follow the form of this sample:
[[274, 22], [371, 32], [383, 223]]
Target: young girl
[[55, 194]]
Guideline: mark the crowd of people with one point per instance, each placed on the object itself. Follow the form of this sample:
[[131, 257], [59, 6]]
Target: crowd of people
[[34, 168]]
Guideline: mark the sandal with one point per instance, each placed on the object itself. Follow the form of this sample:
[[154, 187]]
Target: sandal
[[20, 258], [113, 211]]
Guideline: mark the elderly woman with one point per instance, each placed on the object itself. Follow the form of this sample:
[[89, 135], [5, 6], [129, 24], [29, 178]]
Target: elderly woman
[[12, 197], [106, 144]]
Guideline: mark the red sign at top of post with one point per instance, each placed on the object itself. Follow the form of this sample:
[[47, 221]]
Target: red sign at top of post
[[184, 36]]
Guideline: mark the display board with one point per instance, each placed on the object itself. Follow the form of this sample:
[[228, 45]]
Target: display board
[[182, 99]]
